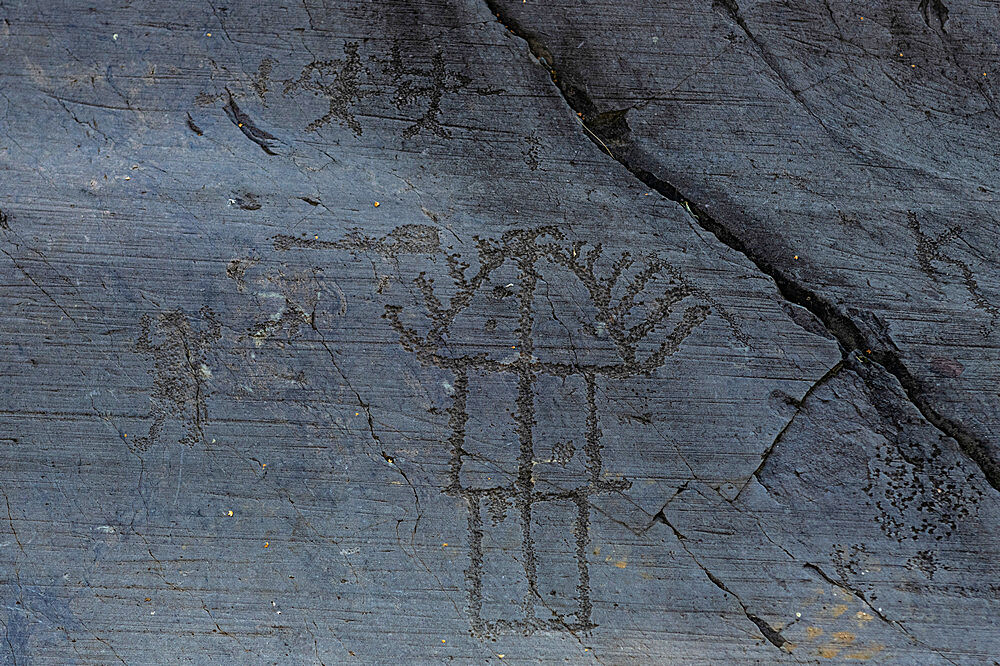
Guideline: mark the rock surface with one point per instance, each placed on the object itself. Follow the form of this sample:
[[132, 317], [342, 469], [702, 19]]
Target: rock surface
[[499, 332]]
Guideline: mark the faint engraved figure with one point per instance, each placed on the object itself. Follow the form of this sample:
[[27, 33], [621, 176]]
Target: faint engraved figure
[[346, 82], [429, 84], [930, 254], [181, 373]]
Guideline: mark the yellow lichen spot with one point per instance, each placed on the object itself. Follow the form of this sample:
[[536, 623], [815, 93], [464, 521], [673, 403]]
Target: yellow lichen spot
[[813, 632], [862, 617], [828, 651], [838, 610], [621, 564]]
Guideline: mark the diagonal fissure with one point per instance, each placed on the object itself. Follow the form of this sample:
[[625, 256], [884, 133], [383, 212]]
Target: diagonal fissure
[[600, 129]]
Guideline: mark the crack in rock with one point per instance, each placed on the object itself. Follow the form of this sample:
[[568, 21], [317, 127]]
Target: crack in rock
[[609, 132], [772, 635]]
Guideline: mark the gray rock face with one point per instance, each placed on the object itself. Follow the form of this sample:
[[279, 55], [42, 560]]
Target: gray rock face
[[346, 332]]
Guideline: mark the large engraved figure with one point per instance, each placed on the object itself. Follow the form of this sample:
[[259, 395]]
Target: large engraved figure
[[525, 383]]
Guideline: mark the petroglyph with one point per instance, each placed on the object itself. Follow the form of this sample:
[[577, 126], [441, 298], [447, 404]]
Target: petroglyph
[[416, 84], [930, 255], [499, 458], [339, 82], [345, 83], [178, 348]]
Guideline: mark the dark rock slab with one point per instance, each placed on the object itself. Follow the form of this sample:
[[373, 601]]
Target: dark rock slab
[[849, 151]]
